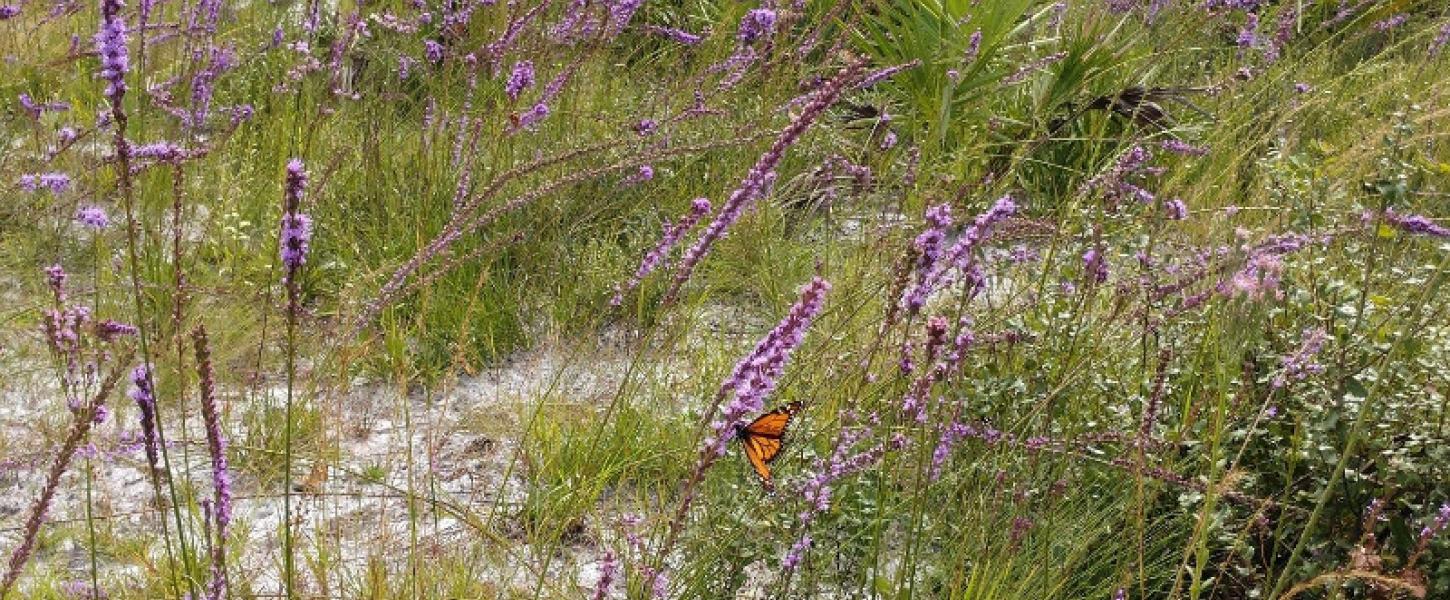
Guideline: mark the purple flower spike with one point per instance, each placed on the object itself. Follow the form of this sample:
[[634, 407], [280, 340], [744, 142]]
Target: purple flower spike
[[755, 376], [111, 46], [1416, 224], [1095, 263], [8, 11], [296, 226], [756, 24], [520, 79], [145, 397], [934, 269], [57, 183], [93, 217], [656, 257]]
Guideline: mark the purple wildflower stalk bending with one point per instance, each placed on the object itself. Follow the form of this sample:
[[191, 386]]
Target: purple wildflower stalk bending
[[752, 380], [80, 427], [216, 444], [656, 257], [762, 175], [959, 256]]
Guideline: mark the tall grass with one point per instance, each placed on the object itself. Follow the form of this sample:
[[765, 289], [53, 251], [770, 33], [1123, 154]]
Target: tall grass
[[1127, 299]]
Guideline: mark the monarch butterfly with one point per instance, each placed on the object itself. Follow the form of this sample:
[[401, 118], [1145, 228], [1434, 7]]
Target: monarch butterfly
[[763, 439]]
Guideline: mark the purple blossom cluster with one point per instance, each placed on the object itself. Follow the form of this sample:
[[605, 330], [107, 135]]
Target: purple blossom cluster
[[762, 175], [111, 47], [1300, 364], [36, 109], [57, 183], [880, 75], [672, 236], [296, 236], [8, 11], [93, 217], [1416, 224], [755, 376], [145, 396], [608, 570], [934, 272], [678, 35], [519, 79], [1177, 146], [756, 24], [1118, 184]]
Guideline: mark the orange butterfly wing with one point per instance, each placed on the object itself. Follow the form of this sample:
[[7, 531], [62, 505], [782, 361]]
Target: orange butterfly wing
[[762, 440]]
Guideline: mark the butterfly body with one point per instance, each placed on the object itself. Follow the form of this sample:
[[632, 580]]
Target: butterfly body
[[763, 438]]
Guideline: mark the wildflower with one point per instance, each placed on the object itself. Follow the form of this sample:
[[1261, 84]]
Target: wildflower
[[959, 256], [644, 174], [608, 569], [8, 11], [678, 35], [1300, 364], [1095, 264], [1440, 40], [216, 443], [1177, 210], [1302, 88], [645, 127], [974, 47], [884, 74], [1249, 33], [1391, 22], [762, 175], [1028, 69], [521, 78], [1416, 224], [92, 216], [797, 552], [755, 376], [296, 226], [1180, 147], [35, 109], [160, 151], [757, 23], [620, 13], [145, 397], [433, 51], [698, 209], [57, 183], [111, 46], [108, 330]]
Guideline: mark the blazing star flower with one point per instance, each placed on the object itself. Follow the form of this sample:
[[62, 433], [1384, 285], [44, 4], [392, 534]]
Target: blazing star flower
[[620, 13], [678, 35], [755, 376], [1177, 210], [92, 216], [1300, 364], [1391, 22], [797, 552], [433, 51], [1416, 224], [1440, 40], [57, 183], [756, 24], [656, 257], [1095, 263], [145, 397], [111, 46], [932, 272], [608, 569], [520, 79], [296, 226], [1181, 147]]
